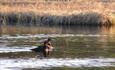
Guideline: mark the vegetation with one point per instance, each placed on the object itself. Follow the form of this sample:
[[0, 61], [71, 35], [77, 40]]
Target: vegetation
[[33, 19], [37, 12]]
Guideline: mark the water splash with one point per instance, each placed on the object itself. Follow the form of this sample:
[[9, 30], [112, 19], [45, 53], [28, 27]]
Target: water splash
[[6, 49], [14, 64]]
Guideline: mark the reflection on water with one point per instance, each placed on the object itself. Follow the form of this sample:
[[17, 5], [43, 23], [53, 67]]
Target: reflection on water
[[73, 42], [12, 30], [55, 30]]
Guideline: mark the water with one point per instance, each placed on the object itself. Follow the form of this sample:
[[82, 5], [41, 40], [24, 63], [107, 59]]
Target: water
[[54, 62], [75, 47]]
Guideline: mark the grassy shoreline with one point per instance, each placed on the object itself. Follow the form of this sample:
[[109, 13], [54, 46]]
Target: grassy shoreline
[[48, 19], [57, 12]]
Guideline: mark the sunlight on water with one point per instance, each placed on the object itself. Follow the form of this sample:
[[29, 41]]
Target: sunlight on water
[[75, 47], [5, 49], [12, 64], [26, 36]]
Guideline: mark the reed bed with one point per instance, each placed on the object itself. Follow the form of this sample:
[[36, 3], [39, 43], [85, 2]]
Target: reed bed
[[57, 7], [33, 19], [57, 12]]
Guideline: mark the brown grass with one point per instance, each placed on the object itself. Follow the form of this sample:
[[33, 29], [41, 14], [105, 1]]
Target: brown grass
[[59, 7]]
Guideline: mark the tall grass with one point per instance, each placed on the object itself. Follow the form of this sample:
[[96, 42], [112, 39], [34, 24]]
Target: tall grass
[[112, 18], [60, 7], [33, 19], [45, 12]]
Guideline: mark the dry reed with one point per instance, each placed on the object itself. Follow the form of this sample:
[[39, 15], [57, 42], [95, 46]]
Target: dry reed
[[60, 11]]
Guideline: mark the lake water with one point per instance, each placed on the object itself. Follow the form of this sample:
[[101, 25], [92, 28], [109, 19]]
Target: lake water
[[76, 48]]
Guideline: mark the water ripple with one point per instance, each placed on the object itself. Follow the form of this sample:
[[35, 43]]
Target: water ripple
[[12, 64], [49, 35], [5, 49]]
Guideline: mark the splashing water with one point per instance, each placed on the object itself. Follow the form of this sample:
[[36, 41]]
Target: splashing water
[[12, 64]]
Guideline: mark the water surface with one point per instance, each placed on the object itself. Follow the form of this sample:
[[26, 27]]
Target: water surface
[[76, 47]]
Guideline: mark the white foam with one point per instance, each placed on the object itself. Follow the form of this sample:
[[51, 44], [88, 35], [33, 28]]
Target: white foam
[[5, 49], [26, 36], [19, 64]]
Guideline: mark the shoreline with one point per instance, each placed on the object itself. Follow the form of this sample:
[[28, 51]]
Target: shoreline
[[31, 18]]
